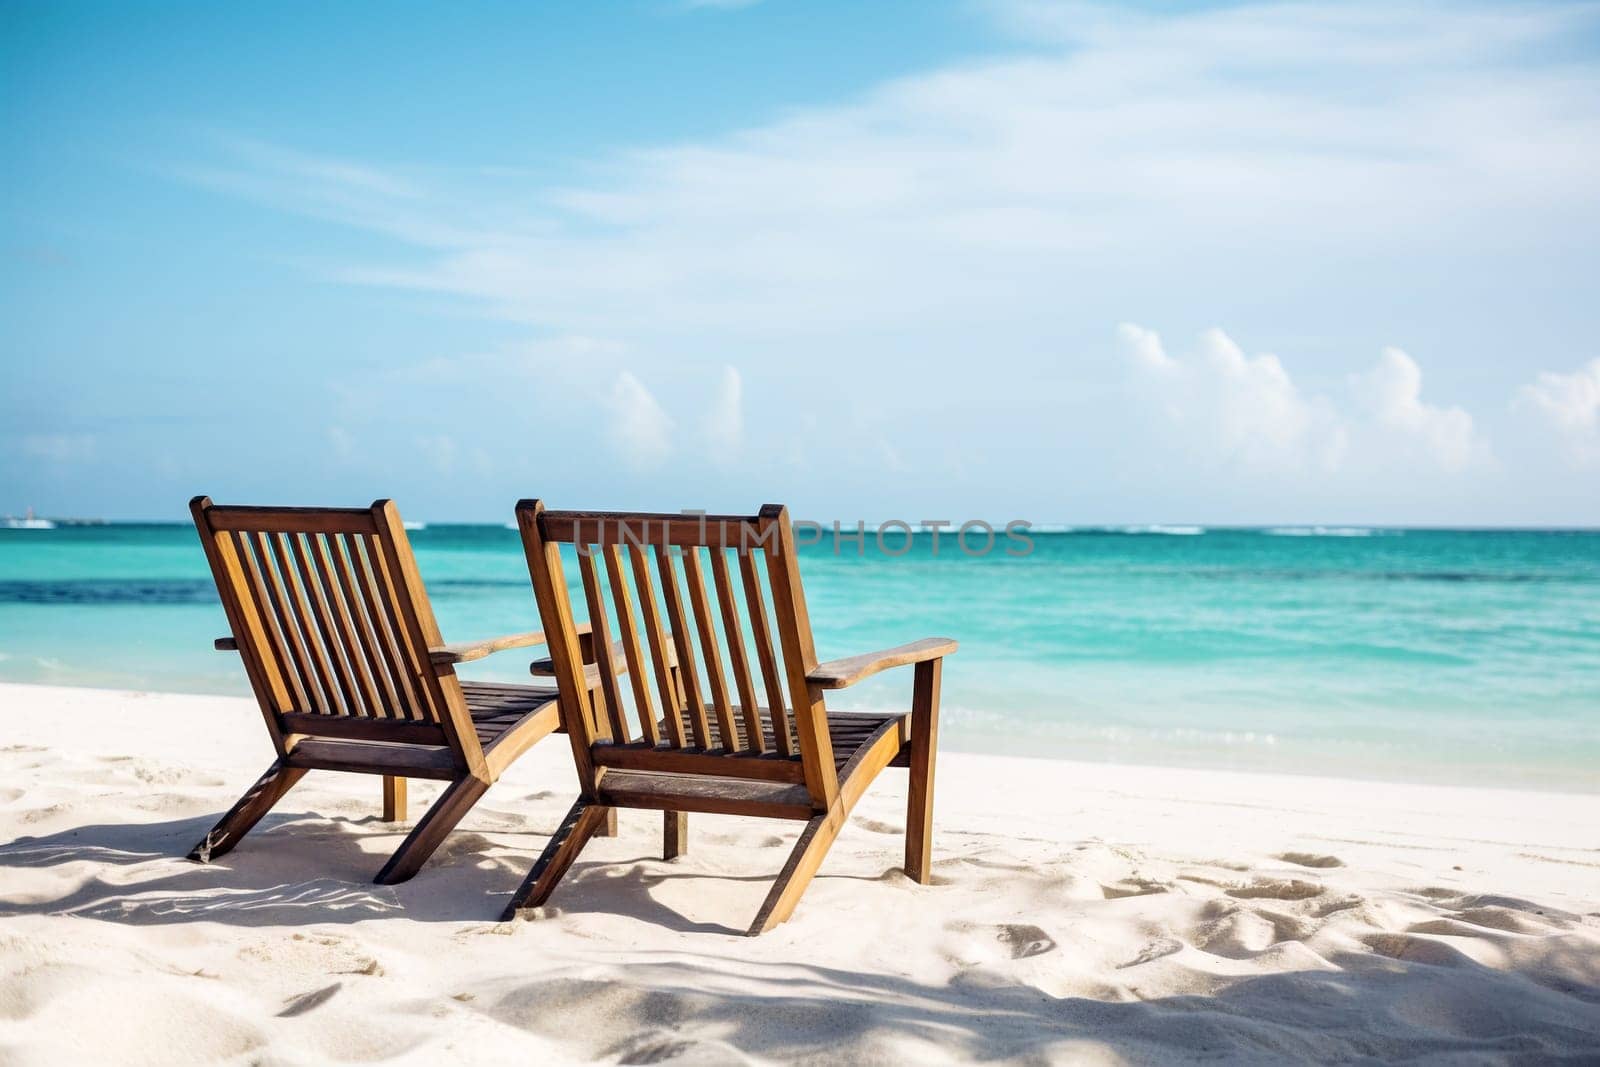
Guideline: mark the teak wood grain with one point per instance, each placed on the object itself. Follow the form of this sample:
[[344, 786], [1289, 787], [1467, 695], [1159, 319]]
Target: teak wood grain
[[701, 738], [333, 626]]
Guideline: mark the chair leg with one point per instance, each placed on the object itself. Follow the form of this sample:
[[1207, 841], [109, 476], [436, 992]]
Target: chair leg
[[815, 840], [608, 826], [559, 852], [256, 802], [919, 794], [432, 829], [674, 834], [394, 799]]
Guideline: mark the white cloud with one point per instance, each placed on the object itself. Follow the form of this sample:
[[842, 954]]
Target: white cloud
[[724, 424], [1238, 411], [1569, 404], [1392, 395], [60, 447], [641, 431], [1145, 348], [1221, 407]]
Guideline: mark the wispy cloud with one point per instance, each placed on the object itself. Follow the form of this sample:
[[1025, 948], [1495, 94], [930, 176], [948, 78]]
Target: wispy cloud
[[1222, 408], [1287, 126], [1569, 405], [641, 430], [1443, 437], [724, 423]]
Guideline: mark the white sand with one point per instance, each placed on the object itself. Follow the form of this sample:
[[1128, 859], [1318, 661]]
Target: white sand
[[1083, 913]]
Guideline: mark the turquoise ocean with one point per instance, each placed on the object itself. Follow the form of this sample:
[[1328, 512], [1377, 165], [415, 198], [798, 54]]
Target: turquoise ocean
[[1468, 657]]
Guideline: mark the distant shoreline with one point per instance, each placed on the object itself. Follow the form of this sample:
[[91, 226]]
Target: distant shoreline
[[1428, 656]]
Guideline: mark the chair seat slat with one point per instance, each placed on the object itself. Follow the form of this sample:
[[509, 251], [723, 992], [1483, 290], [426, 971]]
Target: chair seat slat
[[604, 651], [761, 636], [710, 647], [275, 565], [409, 668], [737, 658], [347, 558], [671, 594], [320, 628], [254, 599], [672, 698], [364, 557], [632, 652], [363, 691]]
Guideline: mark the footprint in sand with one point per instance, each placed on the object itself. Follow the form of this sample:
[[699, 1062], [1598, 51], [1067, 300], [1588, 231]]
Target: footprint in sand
[[879, 827], [1310, 859], [1507, 920], [1341, 904], [329, 955], [978, 861], [1025, 940], [1417, 950], [43, 814], [1491, 900], [463, 844], [373, 969], [1161, 946], [1277, 889], [1134, 887]]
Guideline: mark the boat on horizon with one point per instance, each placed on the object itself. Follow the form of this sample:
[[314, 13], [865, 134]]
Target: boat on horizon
[[30, 521]]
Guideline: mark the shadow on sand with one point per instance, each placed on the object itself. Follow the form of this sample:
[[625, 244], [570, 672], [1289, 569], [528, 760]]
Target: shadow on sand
[[1372, 1009], [301, 869], [293, 868], [298, 868]]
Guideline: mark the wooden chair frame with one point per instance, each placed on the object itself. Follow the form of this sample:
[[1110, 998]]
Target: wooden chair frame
[[331, 620], [722, 750]]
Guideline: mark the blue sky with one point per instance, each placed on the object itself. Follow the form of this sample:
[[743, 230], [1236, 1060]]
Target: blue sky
[[1266, 263]]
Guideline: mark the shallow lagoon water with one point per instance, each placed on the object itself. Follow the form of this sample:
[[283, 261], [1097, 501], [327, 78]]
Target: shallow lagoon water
[[1429, 655]]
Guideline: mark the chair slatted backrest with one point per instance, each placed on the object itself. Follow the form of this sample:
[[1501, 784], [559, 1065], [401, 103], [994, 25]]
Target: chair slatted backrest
[[707, 617], [334, 626]]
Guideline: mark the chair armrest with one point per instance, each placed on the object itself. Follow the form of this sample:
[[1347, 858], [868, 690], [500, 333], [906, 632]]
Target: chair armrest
[[546, 668], [225, 644], [543, 668], [467, 651], [839, 673]]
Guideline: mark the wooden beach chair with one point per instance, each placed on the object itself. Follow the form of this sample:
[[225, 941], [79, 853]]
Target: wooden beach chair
[[776, 751], [337, 636]]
